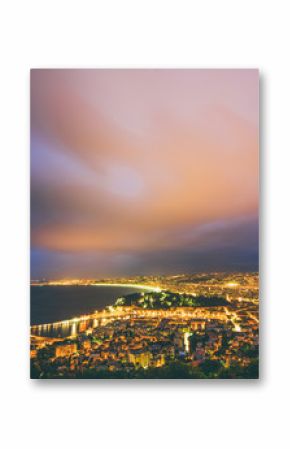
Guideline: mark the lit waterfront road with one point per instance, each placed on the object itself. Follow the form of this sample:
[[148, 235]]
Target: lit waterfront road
[[124, 313], [139, 286], [223, 286]]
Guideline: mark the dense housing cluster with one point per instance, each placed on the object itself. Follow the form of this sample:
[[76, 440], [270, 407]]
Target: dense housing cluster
[[158, 334]]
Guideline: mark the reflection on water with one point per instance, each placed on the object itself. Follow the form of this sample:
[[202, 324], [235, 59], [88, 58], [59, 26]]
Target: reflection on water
[[67, 328], [50, 304]]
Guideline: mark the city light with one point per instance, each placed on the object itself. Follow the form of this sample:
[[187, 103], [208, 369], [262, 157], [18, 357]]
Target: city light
[[154, 328]]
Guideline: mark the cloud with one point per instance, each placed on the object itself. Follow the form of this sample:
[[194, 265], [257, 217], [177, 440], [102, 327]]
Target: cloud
[[128, 163]]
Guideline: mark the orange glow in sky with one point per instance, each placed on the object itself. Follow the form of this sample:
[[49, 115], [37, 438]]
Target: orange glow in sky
[[139, 171]]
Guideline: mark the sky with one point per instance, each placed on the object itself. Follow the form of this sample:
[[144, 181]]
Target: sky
[[143, 172]]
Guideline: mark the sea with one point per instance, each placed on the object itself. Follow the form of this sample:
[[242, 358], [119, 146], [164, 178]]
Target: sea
[[56, 303]]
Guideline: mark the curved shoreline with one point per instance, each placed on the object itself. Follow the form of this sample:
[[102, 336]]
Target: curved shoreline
[[140, 286], [87, 315], [103, 284]]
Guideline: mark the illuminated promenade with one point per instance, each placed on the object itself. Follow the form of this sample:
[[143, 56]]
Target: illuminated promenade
[[139, 286], [70, 328], [96, 284]]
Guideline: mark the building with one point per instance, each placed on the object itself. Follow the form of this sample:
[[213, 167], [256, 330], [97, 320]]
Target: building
[[139, 358], [65, 350]]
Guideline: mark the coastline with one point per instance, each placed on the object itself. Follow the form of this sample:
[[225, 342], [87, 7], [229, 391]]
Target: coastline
[[139, 286], [87, 315]]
